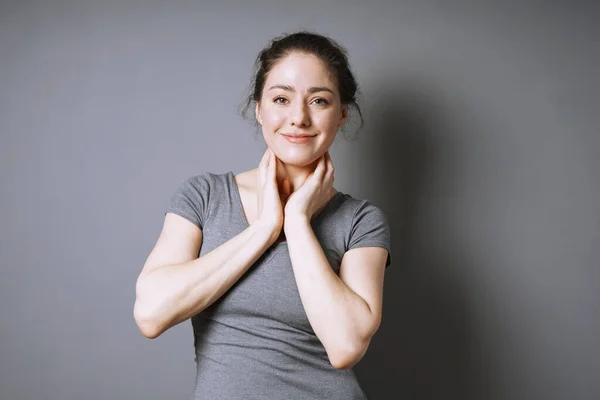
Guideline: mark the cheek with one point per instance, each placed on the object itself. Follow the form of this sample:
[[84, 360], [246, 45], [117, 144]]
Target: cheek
[[272, 119], [326, 122]]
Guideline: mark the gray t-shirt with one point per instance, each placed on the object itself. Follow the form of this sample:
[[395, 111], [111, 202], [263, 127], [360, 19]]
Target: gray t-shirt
[[255, 341]]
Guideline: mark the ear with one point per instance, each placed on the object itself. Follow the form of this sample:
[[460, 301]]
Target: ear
[[257, 113], [344, 116]]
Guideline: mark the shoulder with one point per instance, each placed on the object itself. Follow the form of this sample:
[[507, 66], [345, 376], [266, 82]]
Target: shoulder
[[357, 208], [358, 213], [192, 197], [246, 180], [199, 187], [204, 179], [193, 180], [369, 225], [367, 209]]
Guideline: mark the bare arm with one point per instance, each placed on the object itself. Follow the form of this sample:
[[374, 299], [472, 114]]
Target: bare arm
[[175, 284], [345, 310]]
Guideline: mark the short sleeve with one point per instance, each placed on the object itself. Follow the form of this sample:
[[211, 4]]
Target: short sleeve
[[370, 227], [190, 200]]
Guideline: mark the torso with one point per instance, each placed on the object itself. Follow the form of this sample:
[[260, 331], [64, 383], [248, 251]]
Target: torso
[[246, 183], [259, 328]]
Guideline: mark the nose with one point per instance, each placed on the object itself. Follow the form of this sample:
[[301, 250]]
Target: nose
[[299, 115]]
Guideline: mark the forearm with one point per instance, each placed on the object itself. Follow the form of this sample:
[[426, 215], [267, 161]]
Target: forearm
[[171, 294], [340, 318]]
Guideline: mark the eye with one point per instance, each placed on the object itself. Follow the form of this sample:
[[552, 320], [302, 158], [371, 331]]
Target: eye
[[321, 101], [279, 100]]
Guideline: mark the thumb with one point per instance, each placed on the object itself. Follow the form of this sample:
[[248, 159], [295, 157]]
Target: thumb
[[272, 171]]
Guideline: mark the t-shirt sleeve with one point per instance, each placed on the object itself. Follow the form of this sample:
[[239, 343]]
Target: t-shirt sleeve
[[370, 227], [190, 200]]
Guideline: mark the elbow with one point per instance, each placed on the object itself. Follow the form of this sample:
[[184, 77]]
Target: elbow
[[343, 363], [348, 356], [146, 309], [146, 322], [347, 353]]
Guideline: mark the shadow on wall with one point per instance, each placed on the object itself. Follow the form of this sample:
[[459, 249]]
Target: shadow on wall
[[421, 349]]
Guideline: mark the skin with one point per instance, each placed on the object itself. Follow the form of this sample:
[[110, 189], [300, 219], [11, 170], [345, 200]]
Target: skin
[[344, 310], [301, 96]]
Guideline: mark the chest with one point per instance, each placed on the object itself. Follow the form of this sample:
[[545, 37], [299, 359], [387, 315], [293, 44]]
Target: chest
[[268, 290], [248, 199]]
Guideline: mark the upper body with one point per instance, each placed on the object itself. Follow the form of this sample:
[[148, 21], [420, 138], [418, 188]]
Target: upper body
[[284, 285], [256, 340]]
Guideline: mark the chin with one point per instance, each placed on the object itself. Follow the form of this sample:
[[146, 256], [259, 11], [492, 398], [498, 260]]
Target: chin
[[296, 158]]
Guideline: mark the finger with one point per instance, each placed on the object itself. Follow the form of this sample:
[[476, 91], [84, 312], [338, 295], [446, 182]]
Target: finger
[[272, 169], [262, 166], [328, 166], [269, 163], [265, 157], [307, 179], [285, 190], [320, 170]]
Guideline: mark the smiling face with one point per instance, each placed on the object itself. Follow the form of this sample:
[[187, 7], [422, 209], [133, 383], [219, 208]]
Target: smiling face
[[300, 96]]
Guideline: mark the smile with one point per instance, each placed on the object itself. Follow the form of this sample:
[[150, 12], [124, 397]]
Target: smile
[[298, 139]]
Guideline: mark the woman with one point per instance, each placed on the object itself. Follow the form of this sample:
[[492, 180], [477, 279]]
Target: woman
[[280, 273]]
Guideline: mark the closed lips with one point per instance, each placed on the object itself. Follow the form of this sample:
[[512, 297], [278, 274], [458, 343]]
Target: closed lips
[[301, 135]]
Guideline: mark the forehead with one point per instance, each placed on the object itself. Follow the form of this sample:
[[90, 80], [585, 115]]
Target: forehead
[[301, 71]]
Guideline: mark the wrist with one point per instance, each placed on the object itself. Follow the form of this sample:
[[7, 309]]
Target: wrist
[[271, 230], [295, 220]]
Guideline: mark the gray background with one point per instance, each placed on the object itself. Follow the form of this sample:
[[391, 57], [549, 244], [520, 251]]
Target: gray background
[[481, 144]]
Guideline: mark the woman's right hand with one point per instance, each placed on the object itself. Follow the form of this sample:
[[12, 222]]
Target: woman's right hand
[[271, 198]]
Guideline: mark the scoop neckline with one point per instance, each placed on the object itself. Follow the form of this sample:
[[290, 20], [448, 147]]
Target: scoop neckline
[[242, 214]]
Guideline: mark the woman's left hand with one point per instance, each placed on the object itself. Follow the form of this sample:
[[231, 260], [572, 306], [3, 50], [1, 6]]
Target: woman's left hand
[[314, 193]]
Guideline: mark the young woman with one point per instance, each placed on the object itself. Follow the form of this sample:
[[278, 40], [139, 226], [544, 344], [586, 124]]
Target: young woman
[[280, 273]]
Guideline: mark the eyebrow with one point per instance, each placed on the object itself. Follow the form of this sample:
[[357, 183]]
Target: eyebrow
[[311, 90]]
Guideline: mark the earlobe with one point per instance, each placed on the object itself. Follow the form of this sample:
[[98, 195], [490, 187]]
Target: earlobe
[[257, 113], [344, 114]]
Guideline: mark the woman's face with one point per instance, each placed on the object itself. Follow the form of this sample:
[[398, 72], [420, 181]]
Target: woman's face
[[300, 96]]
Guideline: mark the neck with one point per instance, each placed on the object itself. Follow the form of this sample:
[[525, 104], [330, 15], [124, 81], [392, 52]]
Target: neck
[[294, 174]]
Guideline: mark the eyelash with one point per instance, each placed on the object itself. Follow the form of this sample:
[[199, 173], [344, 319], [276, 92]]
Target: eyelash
[[324, 102]]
